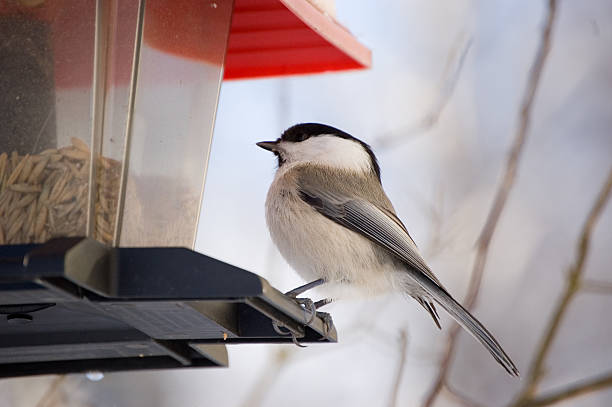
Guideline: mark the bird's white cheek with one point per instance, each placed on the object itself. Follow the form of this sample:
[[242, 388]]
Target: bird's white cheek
[[329, 151]]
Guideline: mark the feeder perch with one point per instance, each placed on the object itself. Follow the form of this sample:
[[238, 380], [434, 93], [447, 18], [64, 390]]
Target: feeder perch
[[108, 109]]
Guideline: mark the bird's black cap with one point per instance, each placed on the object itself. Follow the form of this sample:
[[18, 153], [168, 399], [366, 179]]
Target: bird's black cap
[[304, 131]]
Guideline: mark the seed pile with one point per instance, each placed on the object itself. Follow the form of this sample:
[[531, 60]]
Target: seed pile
[[108, 176], [45, 195]]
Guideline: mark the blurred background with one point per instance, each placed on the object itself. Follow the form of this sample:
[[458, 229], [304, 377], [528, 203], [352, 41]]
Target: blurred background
[[441, 107]]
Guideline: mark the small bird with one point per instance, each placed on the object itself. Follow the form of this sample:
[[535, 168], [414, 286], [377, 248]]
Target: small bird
[[332, 221]]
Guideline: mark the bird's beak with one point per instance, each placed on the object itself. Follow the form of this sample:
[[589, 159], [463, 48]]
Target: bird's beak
[[268, 145]]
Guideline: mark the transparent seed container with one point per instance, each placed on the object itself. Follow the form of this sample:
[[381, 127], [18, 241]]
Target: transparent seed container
[[106, 116]]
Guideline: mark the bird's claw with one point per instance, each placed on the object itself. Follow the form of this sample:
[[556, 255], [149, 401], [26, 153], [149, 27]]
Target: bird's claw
[[308, 305], [328, 324], [311, 307], [282, 330], [296, 342]]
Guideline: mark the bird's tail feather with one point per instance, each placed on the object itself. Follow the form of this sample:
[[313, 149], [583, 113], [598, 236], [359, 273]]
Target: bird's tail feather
[[466, 320]]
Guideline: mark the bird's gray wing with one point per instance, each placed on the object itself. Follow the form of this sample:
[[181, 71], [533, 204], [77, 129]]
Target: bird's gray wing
[[372, 222]]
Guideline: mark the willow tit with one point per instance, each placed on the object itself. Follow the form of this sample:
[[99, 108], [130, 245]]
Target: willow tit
[[332, 221]]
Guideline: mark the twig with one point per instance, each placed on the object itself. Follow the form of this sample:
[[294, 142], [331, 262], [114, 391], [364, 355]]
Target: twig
[[403, 347], [574, 390], [459, 397], [438, 383], [501, 196], [430, 119], [596, 287], [573, 282], [268, 377], [51, 391]]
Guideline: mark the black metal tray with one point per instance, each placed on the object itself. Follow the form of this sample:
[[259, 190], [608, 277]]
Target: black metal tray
[[76, 305]]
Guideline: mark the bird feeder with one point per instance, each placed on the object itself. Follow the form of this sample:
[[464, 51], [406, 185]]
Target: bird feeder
[[107, 110]]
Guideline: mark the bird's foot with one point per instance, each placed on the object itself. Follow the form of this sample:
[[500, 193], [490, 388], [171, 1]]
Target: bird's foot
[[310, 307], [282, 330], [328, 324], [303, 288], [322, 303], [310, 313]]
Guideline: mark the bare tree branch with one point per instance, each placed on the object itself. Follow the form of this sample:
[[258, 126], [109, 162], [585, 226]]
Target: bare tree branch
[[501, 195], [460, 397], [573, 390], [268, 377], [536, 370], [403, 348], [51, 392], [450, 77]]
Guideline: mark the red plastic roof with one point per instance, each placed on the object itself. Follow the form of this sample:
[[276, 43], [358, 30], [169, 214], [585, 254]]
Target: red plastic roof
[[287, 37]]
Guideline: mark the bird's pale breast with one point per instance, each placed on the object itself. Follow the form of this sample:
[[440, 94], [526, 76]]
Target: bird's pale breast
[[317, 247]]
